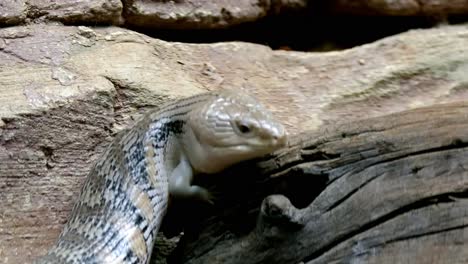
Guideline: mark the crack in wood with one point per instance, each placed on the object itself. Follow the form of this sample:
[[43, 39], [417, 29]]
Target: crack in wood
[[444, 230], [428, 201]]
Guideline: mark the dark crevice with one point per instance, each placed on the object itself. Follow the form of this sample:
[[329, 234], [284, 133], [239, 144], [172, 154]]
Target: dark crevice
[[48, 154], [313, 28], [455, 144], [348, 195], [318, 155], [307, 30], [120, 103], [306, 157], [428, 201], [405, 238], [120, 97], [416, 169], [302, 187], [463, 195]]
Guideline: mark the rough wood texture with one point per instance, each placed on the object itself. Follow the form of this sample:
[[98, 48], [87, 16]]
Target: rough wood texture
[[385, 190]]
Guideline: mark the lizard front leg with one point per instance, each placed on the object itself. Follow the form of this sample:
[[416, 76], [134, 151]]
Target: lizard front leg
[[180, 183]]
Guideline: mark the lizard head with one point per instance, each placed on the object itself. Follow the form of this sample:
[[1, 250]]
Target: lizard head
[[231, 127]]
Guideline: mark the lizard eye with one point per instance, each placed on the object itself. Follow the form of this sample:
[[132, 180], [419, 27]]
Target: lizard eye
[[243, 128]]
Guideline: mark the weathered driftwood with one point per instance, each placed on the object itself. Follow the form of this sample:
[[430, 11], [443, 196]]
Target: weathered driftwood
[[384, 190]]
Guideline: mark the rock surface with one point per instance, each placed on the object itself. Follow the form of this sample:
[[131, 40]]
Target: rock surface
[[14, 12], [207, 14], [151, 14], [193, 14], [66, 91], [400, 7]]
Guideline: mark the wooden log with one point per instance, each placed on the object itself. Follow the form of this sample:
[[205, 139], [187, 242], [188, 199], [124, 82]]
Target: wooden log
[[384, 190]]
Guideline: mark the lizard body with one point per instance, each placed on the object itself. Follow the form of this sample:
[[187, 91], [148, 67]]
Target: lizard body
[[125, 196]]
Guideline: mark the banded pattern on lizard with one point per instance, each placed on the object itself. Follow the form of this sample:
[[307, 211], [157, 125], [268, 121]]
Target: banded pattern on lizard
[[125, 196]]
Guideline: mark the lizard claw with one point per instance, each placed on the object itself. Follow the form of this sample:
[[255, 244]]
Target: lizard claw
[[203, 194], [208, 196]]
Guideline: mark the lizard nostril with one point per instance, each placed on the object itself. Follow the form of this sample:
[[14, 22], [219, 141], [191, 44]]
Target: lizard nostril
[[280, 137]]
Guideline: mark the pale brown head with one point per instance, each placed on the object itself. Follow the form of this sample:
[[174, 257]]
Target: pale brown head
[[231, 127]]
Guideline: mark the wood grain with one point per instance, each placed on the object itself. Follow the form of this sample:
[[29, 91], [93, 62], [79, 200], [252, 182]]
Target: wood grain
[[385, 190]]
